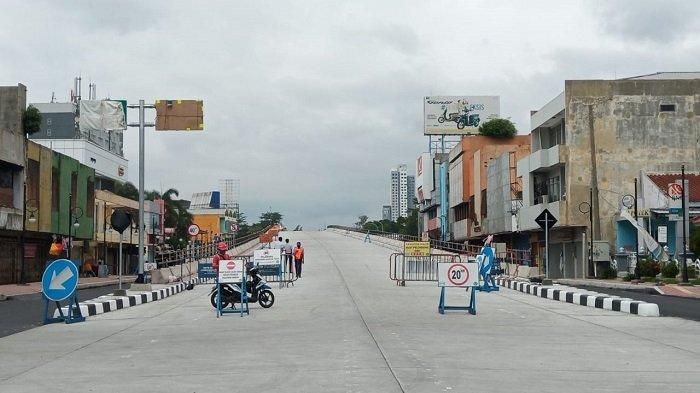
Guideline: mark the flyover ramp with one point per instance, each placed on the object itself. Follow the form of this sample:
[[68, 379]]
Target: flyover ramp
[[345, 327]]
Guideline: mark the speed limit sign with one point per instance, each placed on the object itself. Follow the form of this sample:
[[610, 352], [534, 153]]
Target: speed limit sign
[[458, 274]]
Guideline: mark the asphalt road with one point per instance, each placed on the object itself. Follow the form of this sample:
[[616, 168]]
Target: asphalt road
[[669, 306], [25, 312]]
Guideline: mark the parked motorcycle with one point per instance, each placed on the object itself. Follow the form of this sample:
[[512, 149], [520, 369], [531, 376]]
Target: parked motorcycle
[[257, 288]]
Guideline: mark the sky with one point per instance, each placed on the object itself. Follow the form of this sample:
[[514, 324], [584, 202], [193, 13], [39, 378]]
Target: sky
[[311, 103]]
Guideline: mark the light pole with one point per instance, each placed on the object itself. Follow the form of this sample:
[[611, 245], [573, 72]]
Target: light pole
[[586, 208], [31, 219], [685, 242], [73, 212]]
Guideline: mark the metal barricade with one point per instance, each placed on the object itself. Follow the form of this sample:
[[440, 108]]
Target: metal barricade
[[404, 268]]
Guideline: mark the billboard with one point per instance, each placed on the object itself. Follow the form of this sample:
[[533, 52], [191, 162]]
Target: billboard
[[182, 115], [424, 176], [458, 115]]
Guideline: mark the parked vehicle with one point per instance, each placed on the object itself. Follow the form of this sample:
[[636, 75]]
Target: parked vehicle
[[467, 120], [257, 288]]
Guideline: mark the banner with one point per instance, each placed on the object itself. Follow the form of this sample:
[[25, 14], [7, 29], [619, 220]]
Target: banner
[[458, 115], [416, 249]]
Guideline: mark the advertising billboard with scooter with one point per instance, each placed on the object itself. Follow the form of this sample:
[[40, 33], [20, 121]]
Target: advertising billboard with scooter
[[458, 115]]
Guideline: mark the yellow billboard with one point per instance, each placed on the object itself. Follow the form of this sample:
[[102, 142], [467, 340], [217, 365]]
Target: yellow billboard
[[416, 249]]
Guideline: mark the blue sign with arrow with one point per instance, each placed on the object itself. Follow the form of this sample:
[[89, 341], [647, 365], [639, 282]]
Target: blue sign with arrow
[[60, 280]]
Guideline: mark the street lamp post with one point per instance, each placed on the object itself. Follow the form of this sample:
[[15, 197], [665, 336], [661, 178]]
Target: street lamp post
[[25, 209], [76, 212], [587, 208]]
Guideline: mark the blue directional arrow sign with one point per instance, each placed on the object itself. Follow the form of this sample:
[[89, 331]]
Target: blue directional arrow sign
[[59, 280]]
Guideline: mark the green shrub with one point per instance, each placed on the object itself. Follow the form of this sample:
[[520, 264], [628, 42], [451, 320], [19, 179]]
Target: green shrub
[[31, 120], [609, 273], [667, 280], [498, 128], [695, 281], [628, 277], [649, 268], [670, 270]]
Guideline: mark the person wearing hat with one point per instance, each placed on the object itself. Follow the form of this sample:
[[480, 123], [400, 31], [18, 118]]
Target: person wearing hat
[[220, 255]]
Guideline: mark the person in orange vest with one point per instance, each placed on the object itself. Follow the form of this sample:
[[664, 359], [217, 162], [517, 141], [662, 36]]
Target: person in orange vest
[[220, 255], [298, 258]]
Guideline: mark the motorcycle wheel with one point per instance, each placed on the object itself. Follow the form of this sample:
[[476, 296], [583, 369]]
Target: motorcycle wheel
[[460, 124], [224, 301], [476, 123], [441, 119], [266, 298]]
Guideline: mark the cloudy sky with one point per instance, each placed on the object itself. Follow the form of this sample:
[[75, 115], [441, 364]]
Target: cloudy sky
[[310, 103]]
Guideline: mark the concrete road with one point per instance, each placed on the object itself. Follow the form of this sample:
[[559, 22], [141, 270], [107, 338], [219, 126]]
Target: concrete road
[[345, 327]]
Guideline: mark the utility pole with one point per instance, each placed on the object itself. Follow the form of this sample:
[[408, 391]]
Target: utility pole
[[636, 232], [594, 173], [683, 208]]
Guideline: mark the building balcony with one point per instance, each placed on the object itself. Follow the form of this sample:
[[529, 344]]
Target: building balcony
[[460, 230], [545, 158]]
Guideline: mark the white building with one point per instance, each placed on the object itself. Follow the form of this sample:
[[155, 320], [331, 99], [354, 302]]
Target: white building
[[399, 192]]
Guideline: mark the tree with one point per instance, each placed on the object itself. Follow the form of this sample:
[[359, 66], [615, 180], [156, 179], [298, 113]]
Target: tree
[[31, 120], [362, 220], [270, 218], [498, 128], [126, 190]]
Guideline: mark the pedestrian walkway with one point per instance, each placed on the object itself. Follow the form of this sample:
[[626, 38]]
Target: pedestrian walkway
[[345, 327], [682, 291], [692, 291], [83, 282]]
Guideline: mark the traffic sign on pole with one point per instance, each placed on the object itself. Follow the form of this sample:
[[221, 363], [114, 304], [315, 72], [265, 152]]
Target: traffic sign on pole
[[546, 221], [193, 230]]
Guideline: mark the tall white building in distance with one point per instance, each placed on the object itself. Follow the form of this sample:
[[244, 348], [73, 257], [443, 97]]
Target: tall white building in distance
[[401, 193]]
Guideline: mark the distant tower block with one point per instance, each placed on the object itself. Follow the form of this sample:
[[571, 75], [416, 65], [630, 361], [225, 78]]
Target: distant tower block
[[230, 192]]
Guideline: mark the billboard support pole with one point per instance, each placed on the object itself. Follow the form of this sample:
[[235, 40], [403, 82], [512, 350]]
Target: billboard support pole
[[142, 150]]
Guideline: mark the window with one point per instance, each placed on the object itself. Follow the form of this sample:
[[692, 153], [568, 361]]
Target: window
[[90, 203], [461, 212], [48, 132], [667, 108], [74, 185], [33, 182], [48, 121], [55, 181], [7, 185]]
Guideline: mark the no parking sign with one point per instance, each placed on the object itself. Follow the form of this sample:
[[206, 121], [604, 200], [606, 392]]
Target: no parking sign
[[458, 274]]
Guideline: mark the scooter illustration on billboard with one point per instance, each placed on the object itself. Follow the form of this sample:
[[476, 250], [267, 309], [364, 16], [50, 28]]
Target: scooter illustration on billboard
[[462, 117]]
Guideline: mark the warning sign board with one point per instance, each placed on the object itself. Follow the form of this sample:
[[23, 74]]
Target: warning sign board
[[416, 249], [267, 257], [230, 271], [458, 274]]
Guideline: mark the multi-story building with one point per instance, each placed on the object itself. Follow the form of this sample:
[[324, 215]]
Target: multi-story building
[[399, 192], [410, 192], [469, 186], [230, 190], [588, 145], [386, 212], [101, 150]]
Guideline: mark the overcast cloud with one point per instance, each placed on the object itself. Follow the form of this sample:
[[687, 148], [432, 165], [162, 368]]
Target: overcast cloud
[[310, 103]]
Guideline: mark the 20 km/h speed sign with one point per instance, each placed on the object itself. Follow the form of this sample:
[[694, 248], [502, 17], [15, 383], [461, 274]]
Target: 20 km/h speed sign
[[458, 274]]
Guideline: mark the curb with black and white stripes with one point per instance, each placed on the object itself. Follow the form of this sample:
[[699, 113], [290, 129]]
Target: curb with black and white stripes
[[104, 304], [606, 302]]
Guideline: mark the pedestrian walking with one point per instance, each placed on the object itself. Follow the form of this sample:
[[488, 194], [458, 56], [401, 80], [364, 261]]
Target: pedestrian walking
[[288, 249], [298, 258]]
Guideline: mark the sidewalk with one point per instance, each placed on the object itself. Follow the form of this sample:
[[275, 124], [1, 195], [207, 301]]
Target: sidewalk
[[667, 289], [83, 282]]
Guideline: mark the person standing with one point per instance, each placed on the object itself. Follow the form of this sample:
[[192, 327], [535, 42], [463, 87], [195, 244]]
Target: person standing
[[298, 258], [220, 255], [287, 250]]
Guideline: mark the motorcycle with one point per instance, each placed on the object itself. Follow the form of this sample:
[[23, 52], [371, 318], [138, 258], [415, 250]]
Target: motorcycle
[[467, 120], [257, 288]]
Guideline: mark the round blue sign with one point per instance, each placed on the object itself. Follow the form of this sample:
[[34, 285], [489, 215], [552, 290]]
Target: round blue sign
[[59, 280]]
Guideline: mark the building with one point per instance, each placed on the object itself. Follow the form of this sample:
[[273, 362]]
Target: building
[[588, 145], [410, 192], [430, 187], [12, 173], [399, 192], [469, 186], [386, 212], [101, 150]]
